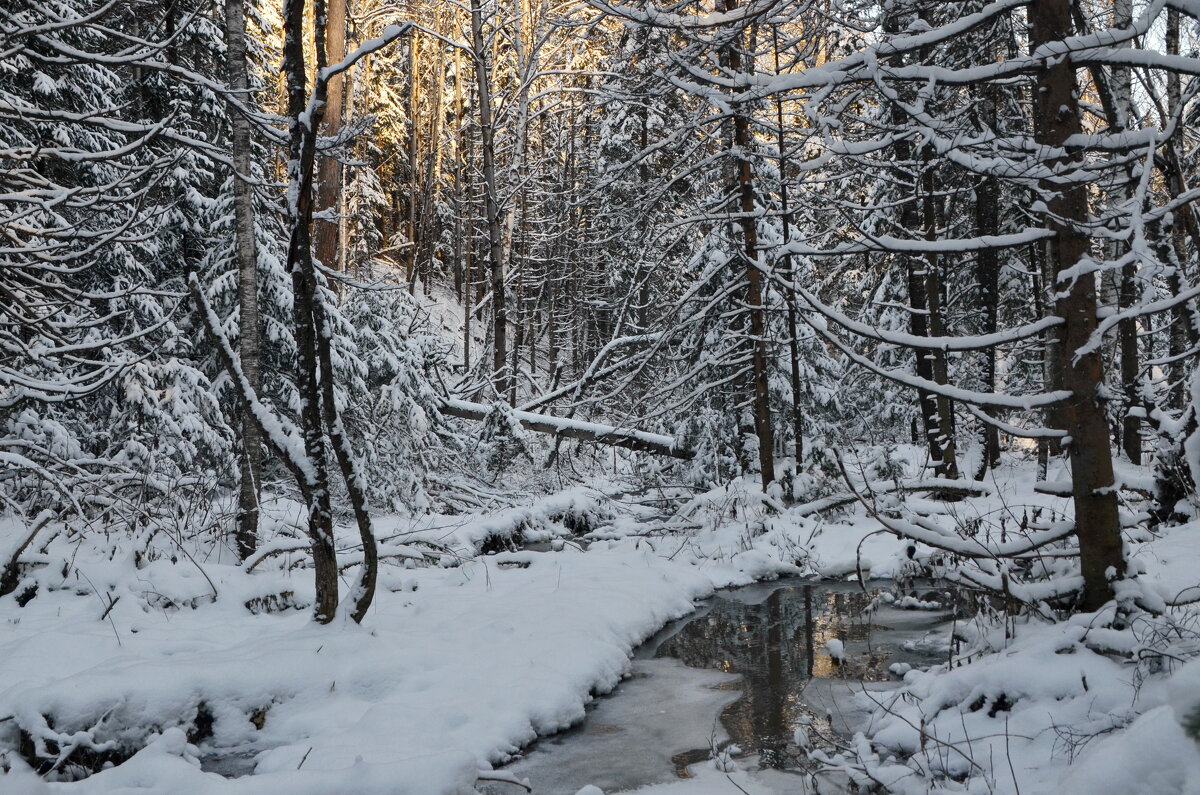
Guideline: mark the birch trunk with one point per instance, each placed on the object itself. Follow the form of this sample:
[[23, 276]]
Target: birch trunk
[[246, 253]]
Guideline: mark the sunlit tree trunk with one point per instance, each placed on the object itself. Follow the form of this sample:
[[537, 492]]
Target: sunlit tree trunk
[[329, 175], [302, 152], [500, 373]]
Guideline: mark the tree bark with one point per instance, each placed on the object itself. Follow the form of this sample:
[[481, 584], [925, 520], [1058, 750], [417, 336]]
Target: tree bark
[[1057, 118], [1127, 330], [302, 145], [500, 373], [744, 144], [987, 268], [789, 268], [916, 270], [329, 175], [987, 222], [414, 182], [246, 254], [943, 420]]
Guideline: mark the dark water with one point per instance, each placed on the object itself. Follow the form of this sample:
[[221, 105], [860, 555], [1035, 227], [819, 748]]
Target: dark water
[[775, 636]]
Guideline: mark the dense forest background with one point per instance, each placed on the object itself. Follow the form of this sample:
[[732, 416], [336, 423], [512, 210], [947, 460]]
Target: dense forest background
[[374, 259]]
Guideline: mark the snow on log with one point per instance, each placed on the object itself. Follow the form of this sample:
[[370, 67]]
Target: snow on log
[[658, 444]]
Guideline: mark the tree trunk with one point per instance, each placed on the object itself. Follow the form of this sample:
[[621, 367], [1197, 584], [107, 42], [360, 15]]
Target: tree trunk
[[987, 270], [500, 374], [1127, 330], [569, 428], [754, 295], [918, 314], [1057, 118], [329, 176], [414, 185], [431, 185], [302, 136], [1185, 328], [947, 466], [789, 268], [987, 222], [246, 253]]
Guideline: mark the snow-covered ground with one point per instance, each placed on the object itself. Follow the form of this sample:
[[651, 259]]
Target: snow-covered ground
[[192, 665], [455, 669]]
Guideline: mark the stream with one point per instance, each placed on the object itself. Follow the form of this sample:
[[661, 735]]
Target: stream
[[744, 669]]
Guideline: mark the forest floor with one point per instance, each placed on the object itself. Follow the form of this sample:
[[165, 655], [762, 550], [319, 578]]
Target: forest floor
[[159, 667]]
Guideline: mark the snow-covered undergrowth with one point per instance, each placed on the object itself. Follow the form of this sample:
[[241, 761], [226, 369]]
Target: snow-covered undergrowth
[[1072, 707], [140, 659], [456, 668]]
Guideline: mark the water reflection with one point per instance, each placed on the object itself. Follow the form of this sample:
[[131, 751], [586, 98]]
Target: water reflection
[[776, 639]]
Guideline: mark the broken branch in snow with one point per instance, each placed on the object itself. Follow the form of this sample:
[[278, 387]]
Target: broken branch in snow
[[503, 777], [11, 575], [658, 444], [881, 487]]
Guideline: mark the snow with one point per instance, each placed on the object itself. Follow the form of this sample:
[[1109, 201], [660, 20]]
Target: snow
[[433, 687], [564, 424], [467, 658], [707, 780], [665, 708]]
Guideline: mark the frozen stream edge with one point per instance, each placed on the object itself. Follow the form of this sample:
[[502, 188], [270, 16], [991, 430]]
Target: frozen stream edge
[[667, 715]]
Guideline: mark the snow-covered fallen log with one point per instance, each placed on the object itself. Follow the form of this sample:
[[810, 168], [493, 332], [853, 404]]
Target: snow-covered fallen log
[[656, 443]]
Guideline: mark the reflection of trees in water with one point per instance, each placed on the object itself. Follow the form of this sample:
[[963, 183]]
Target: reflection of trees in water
[[777, 646]]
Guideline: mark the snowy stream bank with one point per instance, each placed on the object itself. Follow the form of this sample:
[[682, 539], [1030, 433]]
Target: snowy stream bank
[[731, 682]]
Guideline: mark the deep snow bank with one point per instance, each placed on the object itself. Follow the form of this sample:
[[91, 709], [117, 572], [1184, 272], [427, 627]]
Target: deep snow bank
[[454, 669]]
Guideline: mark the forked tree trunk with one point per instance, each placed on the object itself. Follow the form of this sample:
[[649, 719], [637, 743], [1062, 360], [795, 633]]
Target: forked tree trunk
[[246, 252], [1056, 119]]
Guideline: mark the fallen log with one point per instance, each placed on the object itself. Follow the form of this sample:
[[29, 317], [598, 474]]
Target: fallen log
[[628, 438]]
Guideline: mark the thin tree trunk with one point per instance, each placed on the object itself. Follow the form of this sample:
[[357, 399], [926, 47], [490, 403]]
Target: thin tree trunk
[[414, 186], [789, 268], [947, 466], [329, 175], [1057, 118], [302, 135], [987, 270], [246, 252], [987, 222], [1185, 330], [431, 190], [754, 293], [1127, 330], [500, 374], [918, 313]]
